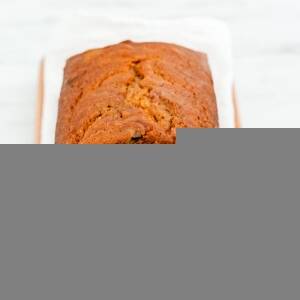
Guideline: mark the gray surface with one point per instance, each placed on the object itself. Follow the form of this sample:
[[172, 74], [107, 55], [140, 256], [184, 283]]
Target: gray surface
[[266, 39], [213, 219]]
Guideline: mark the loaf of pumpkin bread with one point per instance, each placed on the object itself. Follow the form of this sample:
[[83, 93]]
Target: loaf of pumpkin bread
[[135, 93]]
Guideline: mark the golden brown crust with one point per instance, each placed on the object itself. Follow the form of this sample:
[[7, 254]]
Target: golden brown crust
[[135, 93]]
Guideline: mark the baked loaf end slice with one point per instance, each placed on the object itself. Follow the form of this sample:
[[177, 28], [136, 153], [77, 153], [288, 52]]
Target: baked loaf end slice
[[135, 93]]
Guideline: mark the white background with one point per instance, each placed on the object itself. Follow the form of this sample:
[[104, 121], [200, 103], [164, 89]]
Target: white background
[[266, 41]]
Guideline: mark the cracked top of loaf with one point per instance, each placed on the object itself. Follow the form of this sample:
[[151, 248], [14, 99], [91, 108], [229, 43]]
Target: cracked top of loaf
[[135, 93]]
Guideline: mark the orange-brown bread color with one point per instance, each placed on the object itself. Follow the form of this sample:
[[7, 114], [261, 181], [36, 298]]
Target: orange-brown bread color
[[135, 93]]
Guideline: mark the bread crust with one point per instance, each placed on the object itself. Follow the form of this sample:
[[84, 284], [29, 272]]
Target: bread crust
[[135, 93]]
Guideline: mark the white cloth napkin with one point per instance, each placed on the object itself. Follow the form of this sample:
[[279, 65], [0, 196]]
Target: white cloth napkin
[[76, 35]]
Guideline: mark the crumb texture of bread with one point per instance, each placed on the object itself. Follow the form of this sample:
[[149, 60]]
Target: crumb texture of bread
[[135, 93]]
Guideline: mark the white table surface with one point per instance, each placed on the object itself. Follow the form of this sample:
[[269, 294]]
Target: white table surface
[[266, 39]]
